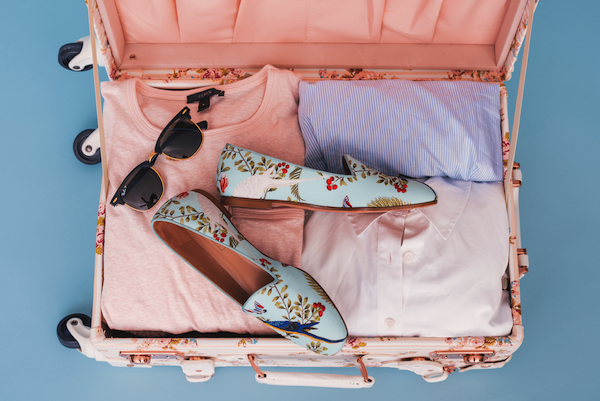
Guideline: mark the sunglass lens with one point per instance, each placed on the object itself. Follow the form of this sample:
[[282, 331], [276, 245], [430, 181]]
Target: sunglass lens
[[181, 140], [143, 189]]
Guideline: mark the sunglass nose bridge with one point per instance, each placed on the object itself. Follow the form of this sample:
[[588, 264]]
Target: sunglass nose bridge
[[152, 157]]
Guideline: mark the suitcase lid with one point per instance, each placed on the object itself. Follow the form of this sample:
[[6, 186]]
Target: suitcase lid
[[480, 37]]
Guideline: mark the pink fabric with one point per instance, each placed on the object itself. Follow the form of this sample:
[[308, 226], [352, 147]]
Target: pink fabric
[[148, 287], [312, 21]]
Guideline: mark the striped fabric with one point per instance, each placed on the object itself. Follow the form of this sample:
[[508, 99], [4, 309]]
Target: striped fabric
[[418, 129]]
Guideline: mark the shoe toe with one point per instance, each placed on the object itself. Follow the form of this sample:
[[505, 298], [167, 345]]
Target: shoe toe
[[296, 307], [422, 193]]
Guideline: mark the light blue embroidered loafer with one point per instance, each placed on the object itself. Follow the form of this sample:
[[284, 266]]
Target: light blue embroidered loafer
[[249, 179], [198, 228]]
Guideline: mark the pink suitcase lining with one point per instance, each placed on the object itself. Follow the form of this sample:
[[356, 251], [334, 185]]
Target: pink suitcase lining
[[391, 55], [444, 44]]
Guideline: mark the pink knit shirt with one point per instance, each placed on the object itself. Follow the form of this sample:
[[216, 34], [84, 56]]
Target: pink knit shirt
[[146, 286]]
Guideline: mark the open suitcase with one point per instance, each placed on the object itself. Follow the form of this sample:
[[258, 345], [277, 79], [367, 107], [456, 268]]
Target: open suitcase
[[172, 65]]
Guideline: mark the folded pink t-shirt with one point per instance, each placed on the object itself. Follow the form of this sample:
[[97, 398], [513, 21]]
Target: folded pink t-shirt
[[146, 286]]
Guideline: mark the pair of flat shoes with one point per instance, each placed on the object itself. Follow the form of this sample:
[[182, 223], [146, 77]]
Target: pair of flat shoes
[[198, 228]]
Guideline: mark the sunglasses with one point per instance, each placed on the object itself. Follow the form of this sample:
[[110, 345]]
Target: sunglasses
[[143, 187]]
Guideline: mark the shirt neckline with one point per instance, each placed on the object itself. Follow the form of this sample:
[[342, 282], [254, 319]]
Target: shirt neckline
[[452, 199], [268, 74]]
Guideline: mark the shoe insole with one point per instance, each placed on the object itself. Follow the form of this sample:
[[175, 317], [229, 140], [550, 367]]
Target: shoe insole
[[235, 275]]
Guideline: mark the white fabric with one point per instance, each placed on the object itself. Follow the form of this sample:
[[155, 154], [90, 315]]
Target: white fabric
[[430, 272]]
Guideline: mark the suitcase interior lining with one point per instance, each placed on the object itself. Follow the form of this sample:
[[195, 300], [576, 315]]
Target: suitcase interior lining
[[143, 37]]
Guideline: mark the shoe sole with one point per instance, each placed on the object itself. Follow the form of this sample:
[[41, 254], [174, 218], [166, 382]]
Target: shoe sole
[[268, 204]]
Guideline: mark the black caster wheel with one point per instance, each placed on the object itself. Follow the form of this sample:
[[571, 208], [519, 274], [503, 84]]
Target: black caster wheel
[[63, 334], [79, 151], [67, 52]]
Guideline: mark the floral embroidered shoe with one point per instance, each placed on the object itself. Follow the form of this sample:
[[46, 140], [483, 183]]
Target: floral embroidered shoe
[[249, 179], [198, 228]]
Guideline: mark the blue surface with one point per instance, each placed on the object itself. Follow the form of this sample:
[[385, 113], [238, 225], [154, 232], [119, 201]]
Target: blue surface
[[49, 203]]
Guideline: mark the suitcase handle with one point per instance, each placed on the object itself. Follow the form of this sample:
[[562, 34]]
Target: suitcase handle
[[313, 379]]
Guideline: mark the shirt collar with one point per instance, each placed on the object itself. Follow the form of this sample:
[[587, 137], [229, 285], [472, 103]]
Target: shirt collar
[[452, 199]]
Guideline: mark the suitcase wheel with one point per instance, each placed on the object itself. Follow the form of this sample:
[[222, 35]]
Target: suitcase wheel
[[85, 155], [63, 334], [67, 52]]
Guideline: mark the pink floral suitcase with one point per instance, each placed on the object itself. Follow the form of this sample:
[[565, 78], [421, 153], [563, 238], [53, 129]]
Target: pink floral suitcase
[[176, 57]]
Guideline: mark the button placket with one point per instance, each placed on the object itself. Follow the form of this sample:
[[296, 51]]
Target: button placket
[[389, 273]]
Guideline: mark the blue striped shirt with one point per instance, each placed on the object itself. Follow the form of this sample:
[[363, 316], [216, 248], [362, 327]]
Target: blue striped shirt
[[418, 129]]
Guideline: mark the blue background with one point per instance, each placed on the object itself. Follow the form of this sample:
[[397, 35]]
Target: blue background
[[48, 216]]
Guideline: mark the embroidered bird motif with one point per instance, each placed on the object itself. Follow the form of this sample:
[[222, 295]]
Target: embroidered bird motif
[[258, 309], [346, 202], [298, 328], [256, 186]]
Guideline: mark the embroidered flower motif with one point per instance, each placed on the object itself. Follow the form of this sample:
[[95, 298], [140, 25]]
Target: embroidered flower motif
[[363, 75], [516, 315], [162, 342], [100, 228], [476, 342], [100, 236], [505, 146], [283, 167], [325, 74], [183, 195], [330, 187], [401, 186], [223, 182], [247, 341], [351, 73], [320, 307], [477, 75], [355, 343], [224, 74], [219, 237], [188, 342], [264, 262]]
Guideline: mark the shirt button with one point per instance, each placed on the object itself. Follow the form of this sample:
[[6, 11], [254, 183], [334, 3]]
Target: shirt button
[[408, 256], [390, 322]]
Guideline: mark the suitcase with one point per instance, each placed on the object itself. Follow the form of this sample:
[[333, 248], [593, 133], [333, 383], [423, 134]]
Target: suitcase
[[432, 358]]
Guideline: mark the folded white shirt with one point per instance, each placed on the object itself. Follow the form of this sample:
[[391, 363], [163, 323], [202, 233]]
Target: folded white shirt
[[430, 272]]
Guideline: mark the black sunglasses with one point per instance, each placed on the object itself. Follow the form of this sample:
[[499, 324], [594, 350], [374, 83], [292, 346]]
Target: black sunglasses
[[143, 187]]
